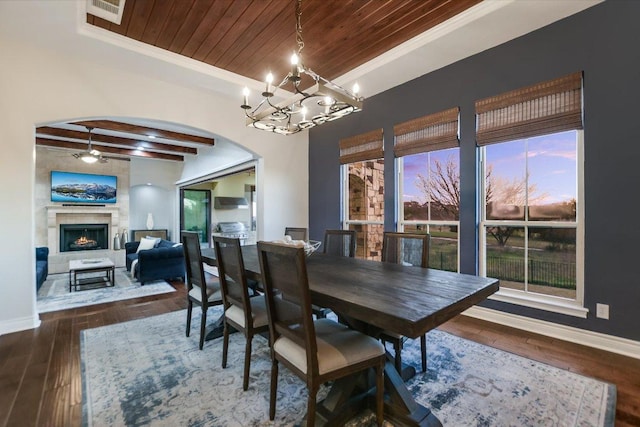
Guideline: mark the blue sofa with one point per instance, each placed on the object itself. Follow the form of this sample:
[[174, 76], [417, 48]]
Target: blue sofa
[[42, 266], [164, 262]]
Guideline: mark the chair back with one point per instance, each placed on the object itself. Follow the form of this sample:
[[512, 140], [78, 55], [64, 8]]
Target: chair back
[[193, 262], [284, 277], [296, 233], [406, 248], [233, 281], [340, 243]]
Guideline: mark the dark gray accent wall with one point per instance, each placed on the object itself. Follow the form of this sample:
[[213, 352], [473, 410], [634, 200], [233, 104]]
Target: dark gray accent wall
[[602, 41]]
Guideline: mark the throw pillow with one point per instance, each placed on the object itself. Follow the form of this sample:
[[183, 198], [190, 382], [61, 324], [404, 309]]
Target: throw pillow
[[146, 244], [156, 239]]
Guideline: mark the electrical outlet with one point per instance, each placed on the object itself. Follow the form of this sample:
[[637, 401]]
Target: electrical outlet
[[602, 311]]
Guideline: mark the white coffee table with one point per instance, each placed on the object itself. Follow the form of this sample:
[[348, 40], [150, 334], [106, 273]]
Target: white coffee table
[[82, 267]]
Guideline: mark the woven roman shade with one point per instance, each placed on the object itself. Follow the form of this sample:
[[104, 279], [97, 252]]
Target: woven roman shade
[[429, 133], [366, 146], [547, 107]]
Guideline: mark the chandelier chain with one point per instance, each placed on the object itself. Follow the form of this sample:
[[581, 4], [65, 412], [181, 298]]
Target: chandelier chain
[[299, 40]]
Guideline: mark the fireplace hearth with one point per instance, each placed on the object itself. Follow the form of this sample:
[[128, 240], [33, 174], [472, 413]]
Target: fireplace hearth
[[83, 237]]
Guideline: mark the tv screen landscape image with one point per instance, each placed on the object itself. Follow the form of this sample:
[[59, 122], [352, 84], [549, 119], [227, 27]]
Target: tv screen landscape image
[[83, 187]]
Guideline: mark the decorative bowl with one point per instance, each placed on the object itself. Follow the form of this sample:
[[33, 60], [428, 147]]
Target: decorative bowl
[[311, 246]]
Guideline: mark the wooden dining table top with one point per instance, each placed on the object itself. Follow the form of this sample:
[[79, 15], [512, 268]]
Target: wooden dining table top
[[403, 299]]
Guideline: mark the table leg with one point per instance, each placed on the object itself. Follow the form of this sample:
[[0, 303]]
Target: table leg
[[218, 329], [399, 404], [349, 396]]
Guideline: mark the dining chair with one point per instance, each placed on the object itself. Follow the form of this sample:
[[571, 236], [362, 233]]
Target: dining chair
[[406, 249], [245, 314], [296, 233], [203, 290], [317, 351], [340, 242]]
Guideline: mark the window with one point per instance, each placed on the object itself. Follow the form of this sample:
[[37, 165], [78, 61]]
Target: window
[[363, 189], [532, 201], [429, 183]]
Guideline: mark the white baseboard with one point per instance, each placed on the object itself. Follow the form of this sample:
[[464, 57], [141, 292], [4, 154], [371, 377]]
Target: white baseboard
[[618, 345], [20, 324]]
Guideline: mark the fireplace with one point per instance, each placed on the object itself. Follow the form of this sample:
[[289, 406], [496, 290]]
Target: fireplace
[[83, 237]]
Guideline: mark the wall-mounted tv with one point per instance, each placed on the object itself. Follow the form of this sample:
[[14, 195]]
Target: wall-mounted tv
[[83, 187]]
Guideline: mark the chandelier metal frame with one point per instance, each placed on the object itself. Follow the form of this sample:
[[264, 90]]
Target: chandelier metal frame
[[323, 102]]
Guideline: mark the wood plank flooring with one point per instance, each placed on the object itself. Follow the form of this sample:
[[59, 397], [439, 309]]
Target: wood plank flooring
[[40, 381]]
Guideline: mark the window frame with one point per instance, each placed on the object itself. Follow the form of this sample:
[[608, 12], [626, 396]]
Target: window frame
[[344, 208], [399, 191], [526, 298]]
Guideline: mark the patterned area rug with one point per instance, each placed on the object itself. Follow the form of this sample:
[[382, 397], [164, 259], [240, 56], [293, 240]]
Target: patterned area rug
[[54, 294], [146, 372]]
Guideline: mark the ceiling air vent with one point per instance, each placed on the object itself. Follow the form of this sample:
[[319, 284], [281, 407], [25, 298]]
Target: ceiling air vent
[[111, 10]]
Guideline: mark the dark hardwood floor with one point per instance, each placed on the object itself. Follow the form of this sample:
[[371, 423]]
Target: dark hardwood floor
[[40, 381]]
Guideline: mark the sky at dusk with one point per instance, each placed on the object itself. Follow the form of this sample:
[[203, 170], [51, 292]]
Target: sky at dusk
[[551, 164]]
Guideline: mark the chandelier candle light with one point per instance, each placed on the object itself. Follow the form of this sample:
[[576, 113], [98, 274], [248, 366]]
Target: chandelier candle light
[[323, 102]]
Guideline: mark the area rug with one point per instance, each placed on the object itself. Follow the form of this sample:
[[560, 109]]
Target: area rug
[[147, 373], [54, 294]]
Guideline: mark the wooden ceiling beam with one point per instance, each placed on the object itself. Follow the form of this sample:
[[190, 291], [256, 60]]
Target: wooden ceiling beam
[[145, 131], [116, 140], [56, 143]]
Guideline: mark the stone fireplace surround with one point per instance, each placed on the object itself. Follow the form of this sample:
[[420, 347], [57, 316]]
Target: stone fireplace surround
[[49, 215], [58, 214]]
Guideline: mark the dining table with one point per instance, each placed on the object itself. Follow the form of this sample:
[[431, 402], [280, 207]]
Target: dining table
[[373, 296]]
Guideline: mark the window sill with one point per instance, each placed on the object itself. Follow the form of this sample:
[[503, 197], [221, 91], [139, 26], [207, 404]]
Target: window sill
[[570, 308]]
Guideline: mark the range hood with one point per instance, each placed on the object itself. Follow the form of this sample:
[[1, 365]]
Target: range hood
[[230, 203]]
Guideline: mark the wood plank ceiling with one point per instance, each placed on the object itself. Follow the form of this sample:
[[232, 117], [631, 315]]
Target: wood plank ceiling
[[251, 38]]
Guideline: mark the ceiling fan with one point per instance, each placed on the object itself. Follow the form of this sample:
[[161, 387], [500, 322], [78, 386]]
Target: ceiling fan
[[91, 155]]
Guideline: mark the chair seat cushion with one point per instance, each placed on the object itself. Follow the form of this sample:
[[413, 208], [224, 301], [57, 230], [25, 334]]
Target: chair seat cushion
[[214, 294], [338, 347], [258, 312]]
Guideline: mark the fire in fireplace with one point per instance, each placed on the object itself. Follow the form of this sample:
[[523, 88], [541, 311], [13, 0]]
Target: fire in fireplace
[[83, 237]]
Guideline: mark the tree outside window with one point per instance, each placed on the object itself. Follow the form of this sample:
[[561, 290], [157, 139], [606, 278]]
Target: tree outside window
[[431, 202]]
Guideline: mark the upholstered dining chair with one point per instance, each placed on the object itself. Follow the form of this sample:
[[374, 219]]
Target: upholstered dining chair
[[246, 315], [318, 350], [296, 233], [405, 249], [203, 290]]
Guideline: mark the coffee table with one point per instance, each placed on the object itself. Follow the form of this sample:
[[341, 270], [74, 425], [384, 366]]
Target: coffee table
[[83, 267]]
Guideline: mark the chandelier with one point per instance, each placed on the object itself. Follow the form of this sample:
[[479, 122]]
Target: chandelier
[[323, 102]]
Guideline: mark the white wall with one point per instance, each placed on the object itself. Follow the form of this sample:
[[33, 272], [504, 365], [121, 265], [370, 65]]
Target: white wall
[[233, 186], [41, 85], [153, 191]]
